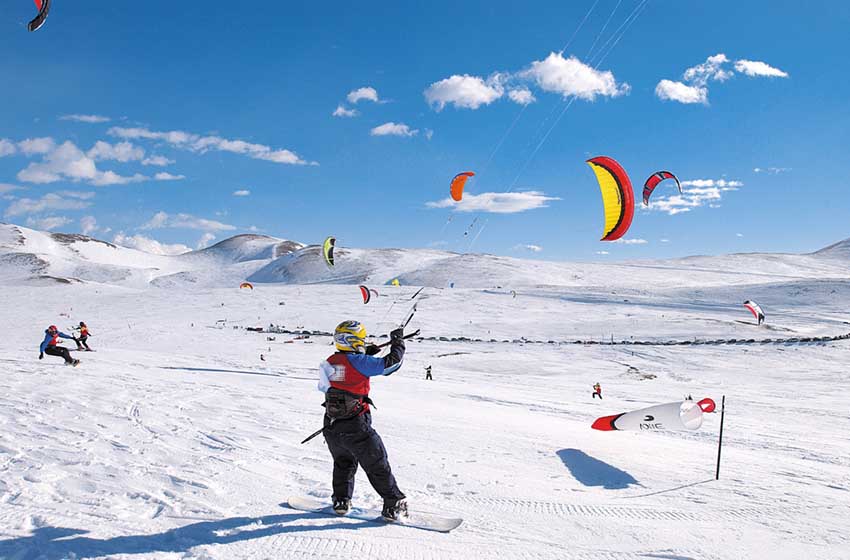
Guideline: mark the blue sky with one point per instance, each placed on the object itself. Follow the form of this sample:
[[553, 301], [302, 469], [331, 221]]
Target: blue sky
[[195, 103]]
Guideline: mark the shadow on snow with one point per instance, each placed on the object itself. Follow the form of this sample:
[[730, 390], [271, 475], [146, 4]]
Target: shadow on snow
[[593, 472], [64, 542]]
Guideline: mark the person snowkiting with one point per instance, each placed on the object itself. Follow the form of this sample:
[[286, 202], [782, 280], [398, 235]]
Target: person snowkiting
[[344, 378], [597, 390], [50, 346], [84, 335]]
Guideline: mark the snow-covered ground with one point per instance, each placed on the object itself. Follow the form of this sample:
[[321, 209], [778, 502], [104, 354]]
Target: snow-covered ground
[[174, 440]]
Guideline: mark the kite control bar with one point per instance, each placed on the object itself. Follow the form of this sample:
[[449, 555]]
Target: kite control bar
[[405, 337]]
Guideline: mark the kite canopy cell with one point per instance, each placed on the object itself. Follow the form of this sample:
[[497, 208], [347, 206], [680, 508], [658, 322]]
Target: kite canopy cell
[[653, 181], [458, 183], [618, 199]]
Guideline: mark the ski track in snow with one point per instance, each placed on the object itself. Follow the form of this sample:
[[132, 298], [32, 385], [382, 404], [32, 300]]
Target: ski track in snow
[[176, 441]]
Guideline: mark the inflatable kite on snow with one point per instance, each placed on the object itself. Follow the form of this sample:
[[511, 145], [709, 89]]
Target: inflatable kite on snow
[[679, 415], [755, 309]]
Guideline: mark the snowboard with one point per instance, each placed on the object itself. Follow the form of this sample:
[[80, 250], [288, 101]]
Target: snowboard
[[417, 520]]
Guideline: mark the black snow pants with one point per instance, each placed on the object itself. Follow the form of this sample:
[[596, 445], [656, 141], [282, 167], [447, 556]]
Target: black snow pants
[[351, 442], [59, 351], [82, 341]]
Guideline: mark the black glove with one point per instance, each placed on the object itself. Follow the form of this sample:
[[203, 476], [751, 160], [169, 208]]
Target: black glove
[[371, 350], [397, 335], [41, 355]]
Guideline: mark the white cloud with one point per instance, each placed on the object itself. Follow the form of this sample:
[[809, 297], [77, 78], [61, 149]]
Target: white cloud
[[7, 147], [756, 68], [148, 245], [700, 192], [92, 119], [50, 201], [429, 133], [521, 96], [80, 195], [88, 225], [6, 187], [48, 223], [68, 162], [204, 241], [393, 129], [33, 146], [498, 203], [602, 252], [464, 92], [122, 151], [739, 235], [186, 221], [159, 161], [683, 93], [664, 240], [343, 112], [529, 247], [362, 94], [570, 77], [203, 144], [163, 176], [243, 192], [624, 241], [772, 170], [710, 70]]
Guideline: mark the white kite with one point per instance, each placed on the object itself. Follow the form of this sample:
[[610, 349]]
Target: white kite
[[679, 415]]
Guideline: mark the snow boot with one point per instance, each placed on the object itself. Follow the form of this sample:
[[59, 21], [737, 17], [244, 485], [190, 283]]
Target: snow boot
[[341, 506], [394, 509]]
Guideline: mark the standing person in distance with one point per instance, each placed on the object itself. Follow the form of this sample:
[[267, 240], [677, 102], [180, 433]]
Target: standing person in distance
[[345, 379], [428, 373], [84, 335], [50, 346]]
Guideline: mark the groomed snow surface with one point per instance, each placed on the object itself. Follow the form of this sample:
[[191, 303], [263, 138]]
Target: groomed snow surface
[[174, 440]]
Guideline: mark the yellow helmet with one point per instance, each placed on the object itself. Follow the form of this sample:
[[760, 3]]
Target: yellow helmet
[[350, 336]]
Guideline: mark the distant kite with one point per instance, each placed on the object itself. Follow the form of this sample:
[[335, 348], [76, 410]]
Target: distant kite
[[328, 250], [756, 310], [458, 183], [653, 181], [618, 199], [43, 7], [245, 285]]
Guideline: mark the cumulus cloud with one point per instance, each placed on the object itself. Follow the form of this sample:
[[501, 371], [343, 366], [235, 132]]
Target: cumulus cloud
[[163, 176], [48, 223], [529, 247], [699, 192], [771, 170], [694, 87], [159, 161], [34, 146], [68, 162], [393, 129], [521, 96], [6, 187], [88, 225], [602, 252], [497, 203], [683, 93], [464, 92], [429, 133], [202, 144], [148, 245], [363, 94], [92, 119], [570, 77], [185, 221], [205, 240], [624, 241], [739, 235], [50, 201], [243, 192], [341, 111], [7, 147], [122, 151], [756, 68]]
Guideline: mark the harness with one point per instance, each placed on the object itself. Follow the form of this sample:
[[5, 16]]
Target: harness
[[342, 405]]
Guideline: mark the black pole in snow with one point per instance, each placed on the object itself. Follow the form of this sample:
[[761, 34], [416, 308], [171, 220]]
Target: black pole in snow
[[720, 439]]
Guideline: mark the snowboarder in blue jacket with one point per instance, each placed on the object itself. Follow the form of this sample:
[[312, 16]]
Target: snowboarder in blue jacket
[[51, 347]]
